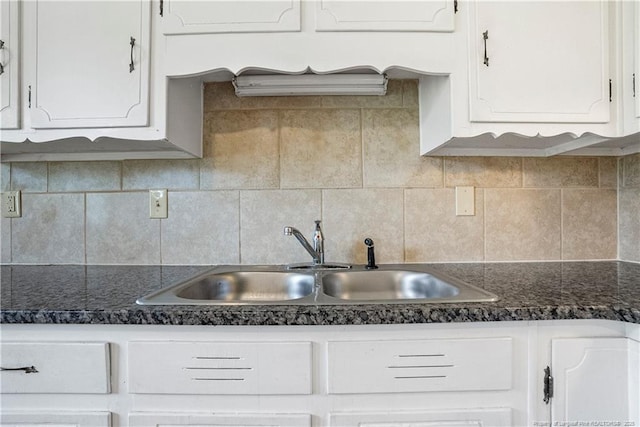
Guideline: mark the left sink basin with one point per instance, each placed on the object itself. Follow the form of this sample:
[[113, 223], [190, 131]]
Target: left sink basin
[[239, 287]]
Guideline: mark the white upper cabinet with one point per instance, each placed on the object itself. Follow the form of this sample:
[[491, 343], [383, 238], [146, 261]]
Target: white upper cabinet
[[9, 65], [228, 16], [542, 62], [87, 62], [376, 15]]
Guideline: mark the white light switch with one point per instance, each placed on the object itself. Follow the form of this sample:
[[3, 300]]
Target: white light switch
[[465, 201], [158, 203]]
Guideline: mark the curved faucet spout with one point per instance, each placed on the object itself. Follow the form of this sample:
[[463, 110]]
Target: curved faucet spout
[[317, 250]]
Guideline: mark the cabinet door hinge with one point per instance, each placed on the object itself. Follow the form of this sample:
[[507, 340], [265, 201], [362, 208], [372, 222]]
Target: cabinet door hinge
[[161, 7], [610, 91], [29, 97], [455, 6], [548, 385]]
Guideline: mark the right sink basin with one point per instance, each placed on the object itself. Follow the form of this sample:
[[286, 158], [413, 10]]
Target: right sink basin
[[386, 284], [395, 285]]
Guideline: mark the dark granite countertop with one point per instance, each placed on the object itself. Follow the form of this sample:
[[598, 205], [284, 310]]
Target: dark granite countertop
[[528, 291]]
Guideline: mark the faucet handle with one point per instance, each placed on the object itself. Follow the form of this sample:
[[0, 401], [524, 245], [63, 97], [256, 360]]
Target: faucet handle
[[371, 256]]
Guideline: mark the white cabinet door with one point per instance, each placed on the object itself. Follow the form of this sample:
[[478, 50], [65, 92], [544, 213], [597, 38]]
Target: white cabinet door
[[194, 419], [376, 15], [55, 418], [229, 16], [595, 380], [88, 63], [543, 62], [486, 417], [9, 62]]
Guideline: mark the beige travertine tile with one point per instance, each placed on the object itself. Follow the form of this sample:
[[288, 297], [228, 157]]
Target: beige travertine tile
[[433, 232], [483, 171], [29, 177], [51, 229], [5, 240], [410, 93], [320, 149], [121, 236], [201, 228], [170, 174], [392, 158], [84, 176], [5, 176], [631, 171], [608, 172], [263, 216], [241, 149], [589, 224], [522, 224], [222, 96], [629, 226], [392, 99], [561, 172], [352, 215]]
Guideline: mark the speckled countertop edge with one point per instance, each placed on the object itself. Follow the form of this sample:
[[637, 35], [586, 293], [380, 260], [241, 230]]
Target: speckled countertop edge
[[528, 291]]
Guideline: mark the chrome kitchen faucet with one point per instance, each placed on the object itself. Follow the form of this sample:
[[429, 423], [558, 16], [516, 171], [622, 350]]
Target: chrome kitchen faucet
[[317, 250]]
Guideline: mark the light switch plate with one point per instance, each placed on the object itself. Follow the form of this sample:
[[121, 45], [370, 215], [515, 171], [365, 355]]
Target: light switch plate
[[465, 201], [11, 204], [158, 204]]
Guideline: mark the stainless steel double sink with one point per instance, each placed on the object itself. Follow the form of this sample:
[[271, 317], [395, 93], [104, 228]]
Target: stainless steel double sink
[[325, 285]]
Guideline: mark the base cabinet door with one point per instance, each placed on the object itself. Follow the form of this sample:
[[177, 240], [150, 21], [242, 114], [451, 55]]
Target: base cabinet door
[[595, 380], [228, 420], [485, 417], [55, 418]]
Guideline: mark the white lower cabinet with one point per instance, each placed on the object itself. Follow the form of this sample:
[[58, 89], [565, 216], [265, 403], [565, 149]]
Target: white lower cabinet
[[435, 375], [55, 419], [453, 418], [596, 380], [244, 420]]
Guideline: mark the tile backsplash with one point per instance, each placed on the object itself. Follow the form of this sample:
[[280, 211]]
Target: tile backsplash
[[352, 162]]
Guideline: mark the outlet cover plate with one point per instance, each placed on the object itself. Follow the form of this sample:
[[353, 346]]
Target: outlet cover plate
[[11, 204], [465, 201]]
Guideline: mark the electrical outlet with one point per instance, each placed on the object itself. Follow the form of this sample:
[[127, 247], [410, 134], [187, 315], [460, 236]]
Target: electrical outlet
[[465, 201], [11, 204], [158, 203]]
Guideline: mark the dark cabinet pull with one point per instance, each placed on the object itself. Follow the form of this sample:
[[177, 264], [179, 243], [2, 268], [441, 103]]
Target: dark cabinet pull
[[1, 64], [26, 369], [132, 43], [485, 36]]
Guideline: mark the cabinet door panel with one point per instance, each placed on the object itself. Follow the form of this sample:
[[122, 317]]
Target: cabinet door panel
[[637, 58], [244, 420], [546, 62], [9, 58], [184, 17], [595, 379], [495, 417], [339, 15], [83, 74]]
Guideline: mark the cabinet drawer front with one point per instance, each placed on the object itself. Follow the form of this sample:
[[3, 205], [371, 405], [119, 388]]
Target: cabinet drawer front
[[61, 367], [219, 368], [424, 365]]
